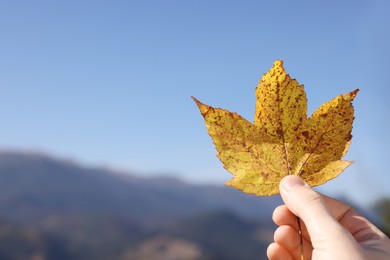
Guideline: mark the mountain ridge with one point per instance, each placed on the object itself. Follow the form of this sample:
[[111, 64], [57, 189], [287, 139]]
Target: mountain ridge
[[34, 180], [78, 212], [58, 209]]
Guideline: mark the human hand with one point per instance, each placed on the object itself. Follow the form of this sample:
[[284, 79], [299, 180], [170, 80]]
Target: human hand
[[331, 228]]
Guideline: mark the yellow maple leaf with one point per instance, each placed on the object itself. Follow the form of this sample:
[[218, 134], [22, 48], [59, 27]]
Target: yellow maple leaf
[[282, 140]]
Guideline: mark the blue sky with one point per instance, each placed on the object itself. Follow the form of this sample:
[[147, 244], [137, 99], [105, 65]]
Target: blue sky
[[109, 82]]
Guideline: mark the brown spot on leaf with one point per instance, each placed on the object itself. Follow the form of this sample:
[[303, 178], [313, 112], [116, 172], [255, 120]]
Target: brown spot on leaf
[[305, 134]]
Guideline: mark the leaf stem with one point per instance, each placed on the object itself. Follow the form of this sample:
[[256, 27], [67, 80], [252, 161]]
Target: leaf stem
[[300, 238]]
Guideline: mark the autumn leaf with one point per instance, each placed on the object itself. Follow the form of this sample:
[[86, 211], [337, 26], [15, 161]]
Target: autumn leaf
[[282, 140]]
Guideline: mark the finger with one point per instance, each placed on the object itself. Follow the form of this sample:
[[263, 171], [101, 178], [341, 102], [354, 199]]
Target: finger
[[335, 207], [288, 238], [361, 228], [309, 205], [276, 252], [283, 216]]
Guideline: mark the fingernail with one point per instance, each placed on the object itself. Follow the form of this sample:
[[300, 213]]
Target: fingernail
[[291, 181]]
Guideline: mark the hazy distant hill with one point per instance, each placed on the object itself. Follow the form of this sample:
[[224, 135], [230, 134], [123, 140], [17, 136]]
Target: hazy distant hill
[[94, 213], [34, 185]]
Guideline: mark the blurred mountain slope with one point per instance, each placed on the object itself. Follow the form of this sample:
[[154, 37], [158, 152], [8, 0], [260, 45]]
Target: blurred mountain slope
[[97, 213], [33, 185]]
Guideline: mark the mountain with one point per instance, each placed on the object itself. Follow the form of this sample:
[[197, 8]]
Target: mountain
[[51, 207], [33, 186]]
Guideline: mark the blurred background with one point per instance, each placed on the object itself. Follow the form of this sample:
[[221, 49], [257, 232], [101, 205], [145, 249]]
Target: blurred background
[[105, 156]]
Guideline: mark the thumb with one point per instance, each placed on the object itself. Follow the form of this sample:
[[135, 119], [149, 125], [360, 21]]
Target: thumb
[[309, 205]]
